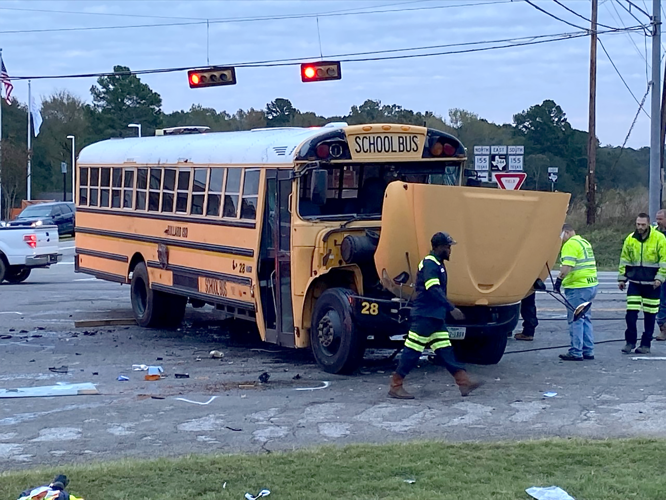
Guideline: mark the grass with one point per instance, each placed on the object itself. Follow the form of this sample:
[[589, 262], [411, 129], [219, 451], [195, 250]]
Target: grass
[[607, 244], [603, 470]]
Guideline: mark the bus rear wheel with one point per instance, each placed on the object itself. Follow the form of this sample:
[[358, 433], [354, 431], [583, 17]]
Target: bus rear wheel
[[152, 308], [481, 349], [337, 345]]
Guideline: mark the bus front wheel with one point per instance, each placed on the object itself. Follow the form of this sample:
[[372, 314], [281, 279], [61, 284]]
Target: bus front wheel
[[152, 308], [336, 344]]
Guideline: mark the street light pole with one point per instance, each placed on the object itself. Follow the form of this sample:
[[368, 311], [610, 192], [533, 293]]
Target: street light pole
[[73, 139], [135, 125], [655, 113]]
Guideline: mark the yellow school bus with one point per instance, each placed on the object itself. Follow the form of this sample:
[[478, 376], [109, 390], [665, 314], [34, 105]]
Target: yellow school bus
[[315, 234]]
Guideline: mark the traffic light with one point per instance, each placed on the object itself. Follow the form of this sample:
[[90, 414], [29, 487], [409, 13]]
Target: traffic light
[[320, 71], [211, 77]]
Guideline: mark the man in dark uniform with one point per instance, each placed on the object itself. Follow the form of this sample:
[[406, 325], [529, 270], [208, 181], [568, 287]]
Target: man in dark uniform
[[428, 326]]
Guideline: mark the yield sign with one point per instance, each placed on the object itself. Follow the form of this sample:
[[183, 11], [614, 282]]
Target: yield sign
[[511, 181]]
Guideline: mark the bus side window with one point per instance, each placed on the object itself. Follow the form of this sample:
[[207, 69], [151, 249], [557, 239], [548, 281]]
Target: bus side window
[[215, 191], [141, 188], [128, 188], [199, 191], [183, 194], [231, 193], [250, 195], [83, 186]]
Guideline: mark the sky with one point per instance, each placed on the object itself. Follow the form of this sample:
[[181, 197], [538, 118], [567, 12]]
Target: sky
[[495, 84]]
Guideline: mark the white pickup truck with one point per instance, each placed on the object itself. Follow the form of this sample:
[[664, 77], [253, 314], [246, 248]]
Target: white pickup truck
[[22, 249]]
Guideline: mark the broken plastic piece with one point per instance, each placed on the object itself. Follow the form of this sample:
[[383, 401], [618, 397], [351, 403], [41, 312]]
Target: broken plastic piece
[[154, 373], [549, 394], [123, 378], [139, 368], [181, 375], [216, 354], [60, 369], [262, 493], [50, 390], [549, 493]]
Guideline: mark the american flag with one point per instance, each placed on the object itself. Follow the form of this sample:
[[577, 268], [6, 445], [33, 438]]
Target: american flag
[[4, 79]]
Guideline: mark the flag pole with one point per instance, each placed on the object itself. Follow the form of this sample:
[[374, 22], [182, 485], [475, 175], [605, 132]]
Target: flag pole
[[29, 190]]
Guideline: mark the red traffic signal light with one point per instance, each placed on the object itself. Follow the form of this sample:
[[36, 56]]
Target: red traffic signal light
[[320, 71], [211, 77]]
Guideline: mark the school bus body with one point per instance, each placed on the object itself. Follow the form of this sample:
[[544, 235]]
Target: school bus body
[[230, 219]]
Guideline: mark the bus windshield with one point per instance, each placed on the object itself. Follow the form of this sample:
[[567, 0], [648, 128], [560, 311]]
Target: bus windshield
[[358, 189]]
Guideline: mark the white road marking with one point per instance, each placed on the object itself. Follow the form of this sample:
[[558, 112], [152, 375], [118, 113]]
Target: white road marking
[[209, 423], [59, 434]]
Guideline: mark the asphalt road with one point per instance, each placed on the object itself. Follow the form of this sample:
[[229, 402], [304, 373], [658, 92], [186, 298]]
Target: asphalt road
[[222, 407]]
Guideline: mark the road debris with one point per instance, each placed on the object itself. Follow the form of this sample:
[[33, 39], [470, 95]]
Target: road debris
[[296, 377], [104, 322], [5, 337], [549, 493], [326, 384], [262, 493], [216, 354], [181, 375], [59, 369], [232, 428], [85, 389], [139, 368], [409, 481], [264, 377], [213, 398], [154, 373], [549, 394], [122, 378]]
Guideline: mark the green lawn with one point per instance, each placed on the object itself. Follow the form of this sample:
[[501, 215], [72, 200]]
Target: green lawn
[[589, 470]]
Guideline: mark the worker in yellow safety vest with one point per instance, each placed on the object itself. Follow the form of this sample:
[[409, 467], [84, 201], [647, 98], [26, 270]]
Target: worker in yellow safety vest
[[578, 277], [643, 266]]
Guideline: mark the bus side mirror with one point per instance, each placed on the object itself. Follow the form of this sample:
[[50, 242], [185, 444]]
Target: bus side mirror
[[319, 186]]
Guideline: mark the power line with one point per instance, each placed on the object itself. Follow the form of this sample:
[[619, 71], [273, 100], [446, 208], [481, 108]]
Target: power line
[[354, 57], [581, 16], [554, 16], [647, 78], [621, 77], [640, 106], [181, 18], [250, 19]]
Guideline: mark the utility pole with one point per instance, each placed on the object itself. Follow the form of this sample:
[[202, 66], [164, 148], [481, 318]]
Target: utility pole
[[655, 113], [662, 140], [592, 134]]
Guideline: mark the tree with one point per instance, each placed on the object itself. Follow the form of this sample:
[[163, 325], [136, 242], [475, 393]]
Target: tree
[[198, 115], [63, 114], [544, 125], [14, 161], [280, 112], [121, 99]]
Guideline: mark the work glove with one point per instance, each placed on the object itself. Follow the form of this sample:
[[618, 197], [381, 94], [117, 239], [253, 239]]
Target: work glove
[[558, 285]]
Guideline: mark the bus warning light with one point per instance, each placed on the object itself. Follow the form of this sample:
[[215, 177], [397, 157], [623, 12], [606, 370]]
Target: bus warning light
[[320, 71]]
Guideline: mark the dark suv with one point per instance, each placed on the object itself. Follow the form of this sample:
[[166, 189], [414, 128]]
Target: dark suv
[[59, 213]]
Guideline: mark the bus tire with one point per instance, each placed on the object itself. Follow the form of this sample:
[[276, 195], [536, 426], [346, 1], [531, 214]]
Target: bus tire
[[17, 274], [481, 349], [149, 306], [337, 345]]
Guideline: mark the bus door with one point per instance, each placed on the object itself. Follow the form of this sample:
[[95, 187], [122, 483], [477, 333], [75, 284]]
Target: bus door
[[275, 260]]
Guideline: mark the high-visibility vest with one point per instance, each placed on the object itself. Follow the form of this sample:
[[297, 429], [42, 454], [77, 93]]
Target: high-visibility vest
[[578, 254], [643, 261]]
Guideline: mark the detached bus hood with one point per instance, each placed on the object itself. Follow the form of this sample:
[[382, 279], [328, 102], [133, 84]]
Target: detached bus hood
[[505, 238]]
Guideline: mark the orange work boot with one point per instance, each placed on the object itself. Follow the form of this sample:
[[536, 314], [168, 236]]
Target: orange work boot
[[465, 384], [396, 390]]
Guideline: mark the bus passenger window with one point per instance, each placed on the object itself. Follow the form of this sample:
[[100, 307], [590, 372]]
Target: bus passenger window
[[83, 186], [116, 182], [183, 194], [214, 192], [199, 186], [105, 183], [250, 195], [168, 188], [231, 193], [154, 193], [141, 187], [128, 190]]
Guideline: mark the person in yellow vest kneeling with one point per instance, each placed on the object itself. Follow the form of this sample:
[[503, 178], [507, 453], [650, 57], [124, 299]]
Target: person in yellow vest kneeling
[[578, 277]]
